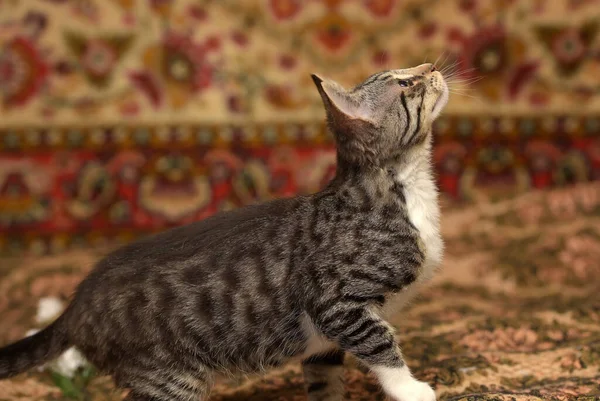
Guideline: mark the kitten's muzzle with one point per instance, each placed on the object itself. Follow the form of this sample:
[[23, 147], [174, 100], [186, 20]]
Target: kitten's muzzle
[[441, 87]]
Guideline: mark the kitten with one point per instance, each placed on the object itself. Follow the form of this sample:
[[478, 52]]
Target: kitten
[[311, 277]]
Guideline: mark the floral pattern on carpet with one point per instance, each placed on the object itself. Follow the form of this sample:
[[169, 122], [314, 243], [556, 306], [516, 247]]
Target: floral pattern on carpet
[[66, 62], [514, 314], [122, 117], [101, 184]]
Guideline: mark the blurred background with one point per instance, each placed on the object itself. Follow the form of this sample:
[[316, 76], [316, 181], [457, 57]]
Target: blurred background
[[119, 118]]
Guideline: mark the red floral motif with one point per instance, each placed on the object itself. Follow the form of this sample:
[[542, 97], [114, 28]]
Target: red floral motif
[[197, 12], [148, 85], [381, 58], [468, 5], [185, 62], [486, 50], [282, 96], [86, 10], [287, 61], [497, 58], [179, 66], [236, 104], [542, 158], [285, 9], [90, 190], [173, 181], [99, 58], [160, 3], [427, 30], [380, 8], [23, 72], [334, 32], [576, 4], [35, 23], [331, 35], [450, 161], [162, 7], [21, 203], [570, 45], [240, 38]]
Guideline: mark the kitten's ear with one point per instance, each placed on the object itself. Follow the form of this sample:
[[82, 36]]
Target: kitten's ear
[[339, 104]]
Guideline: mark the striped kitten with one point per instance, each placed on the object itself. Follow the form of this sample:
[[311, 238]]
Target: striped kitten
[[312, 277]]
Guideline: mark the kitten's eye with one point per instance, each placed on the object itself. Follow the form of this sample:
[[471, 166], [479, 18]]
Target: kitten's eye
[[403, 83]]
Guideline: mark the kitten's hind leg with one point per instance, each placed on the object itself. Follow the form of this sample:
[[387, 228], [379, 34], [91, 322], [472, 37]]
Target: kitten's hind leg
[[133, 396], [167, 385], [358, 329], [136, 395], [323, 376]]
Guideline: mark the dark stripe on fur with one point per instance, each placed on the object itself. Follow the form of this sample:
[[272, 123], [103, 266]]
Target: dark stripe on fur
[[371, 79], [384, 281], [418, 127], [376, 299], [403, 99], [373, 330], [334, 358], [316, 386]]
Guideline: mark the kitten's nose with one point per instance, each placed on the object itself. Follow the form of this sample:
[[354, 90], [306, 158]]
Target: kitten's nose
[[423, 69]]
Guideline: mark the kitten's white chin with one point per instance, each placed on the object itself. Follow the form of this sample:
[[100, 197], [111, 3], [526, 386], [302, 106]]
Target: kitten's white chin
[[440, 103]]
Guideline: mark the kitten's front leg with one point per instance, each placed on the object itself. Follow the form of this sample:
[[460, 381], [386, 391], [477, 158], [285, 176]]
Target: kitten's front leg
[[398, 382], [360, 331], [323, 376]]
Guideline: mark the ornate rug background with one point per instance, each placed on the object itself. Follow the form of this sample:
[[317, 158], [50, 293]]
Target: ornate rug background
[[514, 315], [119, 117], [122, 117]]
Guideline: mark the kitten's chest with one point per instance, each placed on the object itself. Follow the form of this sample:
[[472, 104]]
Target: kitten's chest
[[422, 207], [423, 211]]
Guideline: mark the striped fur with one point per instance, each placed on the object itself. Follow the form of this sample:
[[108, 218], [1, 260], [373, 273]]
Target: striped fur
[[309, 277]]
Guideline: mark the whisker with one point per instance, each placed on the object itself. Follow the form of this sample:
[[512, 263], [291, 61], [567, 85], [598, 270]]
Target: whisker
[[450, 68], [438, 59], [461, 73], [460, 93], [452, 63], [465, 82], [454, 71], [465, 91], [460, 90], [445, 58], [459, 78], [381, 55], [460, 87], [466, 95], [450, 72], [459, 64]]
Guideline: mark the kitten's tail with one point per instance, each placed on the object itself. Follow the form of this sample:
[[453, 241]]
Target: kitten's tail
[[34, 350]]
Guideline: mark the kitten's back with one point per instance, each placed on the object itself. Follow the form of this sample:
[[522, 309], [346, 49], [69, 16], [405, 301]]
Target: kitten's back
[[214, 287]]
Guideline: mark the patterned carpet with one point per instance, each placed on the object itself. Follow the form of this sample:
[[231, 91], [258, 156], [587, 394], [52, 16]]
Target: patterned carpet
[[514, 315]]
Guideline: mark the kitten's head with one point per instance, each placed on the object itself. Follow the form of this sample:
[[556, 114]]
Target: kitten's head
[[386, 115]]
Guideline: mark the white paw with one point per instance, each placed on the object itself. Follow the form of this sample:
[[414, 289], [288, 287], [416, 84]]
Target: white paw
[[412, 390]]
